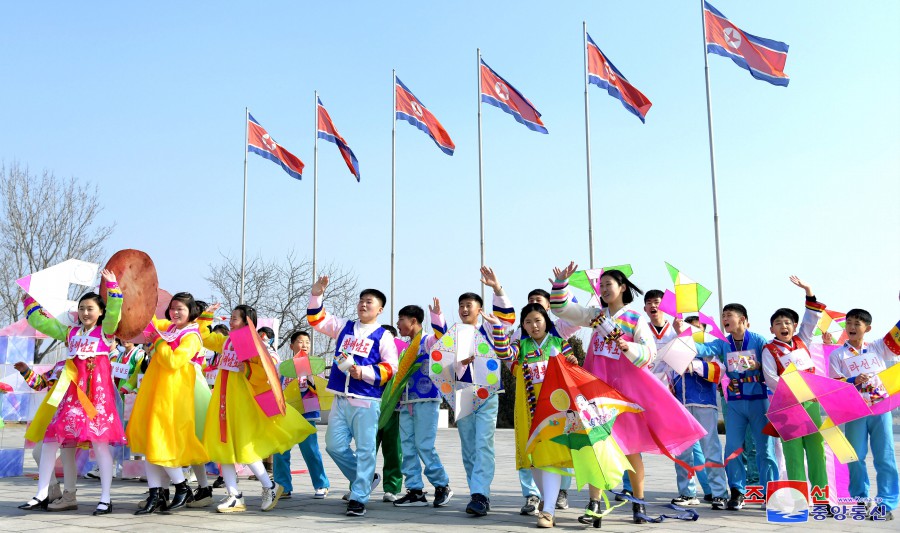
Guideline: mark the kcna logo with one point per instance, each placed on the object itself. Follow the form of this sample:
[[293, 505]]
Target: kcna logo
[[787, 502]]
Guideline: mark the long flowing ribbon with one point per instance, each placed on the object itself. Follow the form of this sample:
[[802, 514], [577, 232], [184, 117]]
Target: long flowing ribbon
[[223, 419], [67, 377], [683, 514]]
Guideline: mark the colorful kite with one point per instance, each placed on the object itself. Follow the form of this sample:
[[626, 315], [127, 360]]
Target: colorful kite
[[840, 403], [679, 352], [406, 367], [589, 280], [50, 286], [465, 389], [689, 295]]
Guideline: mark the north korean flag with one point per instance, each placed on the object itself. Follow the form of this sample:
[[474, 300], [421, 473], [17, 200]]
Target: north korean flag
[[603, 74], [412, 110], [259, 142], [327, 131], [498, 92], [764, 58]]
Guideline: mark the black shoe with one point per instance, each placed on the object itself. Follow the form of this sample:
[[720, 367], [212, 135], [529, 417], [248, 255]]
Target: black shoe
[[479, 505], [34, 503], [355, 508], [286, 495], [719, 504], [182, 497], [636, 510], [156, 501], [619, 498], [203, 496], [736, 503], [708, 498], [412, 498], [103, 508], [442, 496], [592, 506], [218, 483]]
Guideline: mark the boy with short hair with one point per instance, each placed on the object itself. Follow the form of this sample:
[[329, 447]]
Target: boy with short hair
[[748, 401], [849, 363], [419, 409], [309, 447], [476, 431], [364, 361]]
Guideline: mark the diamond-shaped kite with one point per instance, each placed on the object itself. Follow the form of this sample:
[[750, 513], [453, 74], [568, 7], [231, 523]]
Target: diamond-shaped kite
[[689, 295], [466, 390], [589, 280]]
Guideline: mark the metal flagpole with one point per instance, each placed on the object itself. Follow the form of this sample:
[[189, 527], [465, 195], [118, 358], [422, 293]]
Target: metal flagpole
[[244, 225], [393, 187], [312, 339], [712, 160], [587, 141], [480, 172]]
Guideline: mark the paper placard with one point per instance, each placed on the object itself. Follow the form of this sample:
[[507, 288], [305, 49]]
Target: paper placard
[[210, 376], [864, 363], [357, 346], [740, 361], [538, 371], [120, 370], [799, 358]]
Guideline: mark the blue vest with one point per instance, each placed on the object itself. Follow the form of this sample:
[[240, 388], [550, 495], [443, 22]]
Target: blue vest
[[342, 383], [420, 387]]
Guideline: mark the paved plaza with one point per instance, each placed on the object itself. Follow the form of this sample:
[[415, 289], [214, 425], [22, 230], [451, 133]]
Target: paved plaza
[[302, 512]]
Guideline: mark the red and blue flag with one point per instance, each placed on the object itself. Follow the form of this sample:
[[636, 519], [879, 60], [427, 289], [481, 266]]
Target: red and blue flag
[[327, 131], [498, 92], [764, 58], [412, 110], [603, 74], [259, 142]]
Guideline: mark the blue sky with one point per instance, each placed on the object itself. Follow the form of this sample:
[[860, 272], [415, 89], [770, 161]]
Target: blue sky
[[147, 101]]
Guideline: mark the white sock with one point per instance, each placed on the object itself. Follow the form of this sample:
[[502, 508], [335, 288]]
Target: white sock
[[105, 461], [259, 470], [46, 467], [156, 476], [548, 483], [229, 475], [176, 474]]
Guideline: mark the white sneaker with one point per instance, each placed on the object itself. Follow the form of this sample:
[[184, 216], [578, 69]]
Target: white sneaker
[[94, 473], [389, 497], [320, 494], [232, 504], [270, 497]]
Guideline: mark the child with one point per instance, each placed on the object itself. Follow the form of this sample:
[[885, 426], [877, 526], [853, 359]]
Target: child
[[309, 447], [388, 440], [847, 363], [529, 357], [85, 394], [162, 426], [476, 431], [748, 401], [620, 360], [785, 349], [365, 359], [240, 432], [419, 408]]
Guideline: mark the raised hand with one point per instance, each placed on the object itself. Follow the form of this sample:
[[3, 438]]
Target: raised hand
[[800, 283], [108, 276], [436, 308], [211, 310], [490, 318], [565, 273], [318, 288], [489, 278]]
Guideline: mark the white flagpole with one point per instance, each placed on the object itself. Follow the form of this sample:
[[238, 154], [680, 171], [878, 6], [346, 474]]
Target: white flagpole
[[587, 141], [712, 160], [480, 172], [312, 340], [244, 225], [393, 186]]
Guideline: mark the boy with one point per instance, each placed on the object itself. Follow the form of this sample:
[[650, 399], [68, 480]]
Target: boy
[[748, 400], [388, 440], [476, 431], [309, 447], [787, 348], [365, 359], [849, 363], [419, 409]]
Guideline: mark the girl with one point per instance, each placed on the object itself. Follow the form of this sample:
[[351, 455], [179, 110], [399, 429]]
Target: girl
[[529, 359], [84, 396], [240, 432], [162, 425], [620, 359]]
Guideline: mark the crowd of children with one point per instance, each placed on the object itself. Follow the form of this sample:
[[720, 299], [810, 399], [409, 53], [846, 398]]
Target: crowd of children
[[179, 421]]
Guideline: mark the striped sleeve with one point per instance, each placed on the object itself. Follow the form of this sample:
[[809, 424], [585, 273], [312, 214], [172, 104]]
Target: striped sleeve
[[43, 322], [504, 310], [502, 347], [559, 296], [712, 371], [566, 349], [34, 380], [321, 320], [810, 320], [438, 324], [640, 352]]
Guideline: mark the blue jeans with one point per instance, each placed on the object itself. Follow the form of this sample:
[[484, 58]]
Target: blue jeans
[[309, 447], [877, 431], [708, 448], [346, 423], [741, 414], [418, 429], [476, 438], [529, 487]]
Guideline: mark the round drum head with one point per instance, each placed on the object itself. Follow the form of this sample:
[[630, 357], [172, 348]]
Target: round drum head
[[136, 275]]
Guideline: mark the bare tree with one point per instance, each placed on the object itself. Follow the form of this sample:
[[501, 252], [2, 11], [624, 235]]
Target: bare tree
[[44, 220], [279, 288]]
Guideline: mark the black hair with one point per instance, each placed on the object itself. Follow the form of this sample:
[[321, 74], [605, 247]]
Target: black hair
[[736, 308], [247, 313], [471, 296], [299, 333], [221, 328], [539, 292], [269, 332], [784, 312], [620, 278], [100, 303], [376, 293], [653, 294], [528, 309], [194, 308], [391, 329], [860, 314], [691, 319], [413, 311]]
